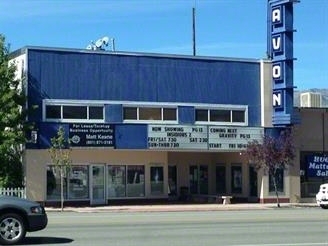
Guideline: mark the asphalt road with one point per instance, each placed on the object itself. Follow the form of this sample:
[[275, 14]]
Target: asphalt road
[[271, 227]]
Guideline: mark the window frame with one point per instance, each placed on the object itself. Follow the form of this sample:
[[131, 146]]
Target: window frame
[[231, 122], [87, 119], [141, 107]]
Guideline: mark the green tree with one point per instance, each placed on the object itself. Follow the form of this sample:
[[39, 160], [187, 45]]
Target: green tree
[[60, 156], [272, 154], [13, 126]]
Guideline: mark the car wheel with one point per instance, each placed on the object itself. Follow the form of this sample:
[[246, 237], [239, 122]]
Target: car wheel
[[12, 229], [324, 206]]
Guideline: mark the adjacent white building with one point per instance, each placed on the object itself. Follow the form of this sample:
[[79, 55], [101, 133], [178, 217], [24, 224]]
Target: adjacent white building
[[311, 100]]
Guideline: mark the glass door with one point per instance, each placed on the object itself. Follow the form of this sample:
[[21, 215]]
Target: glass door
[[220, 175], [252, 182], [203, 180], [198, 179], [172, 181], [193, 179], [97, 184]]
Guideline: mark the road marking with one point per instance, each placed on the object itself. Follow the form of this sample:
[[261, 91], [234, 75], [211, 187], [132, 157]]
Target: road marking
[[284, 244]]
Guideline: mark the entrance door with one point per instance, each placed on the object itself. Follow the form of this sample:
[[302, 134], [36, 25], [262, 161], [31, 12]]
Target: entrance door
[[172, 181], [97, 184], [252, 183], [198, 179]]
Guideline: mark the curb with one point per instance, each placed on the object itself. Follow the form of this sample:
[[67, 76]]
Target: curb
[[177, 208]]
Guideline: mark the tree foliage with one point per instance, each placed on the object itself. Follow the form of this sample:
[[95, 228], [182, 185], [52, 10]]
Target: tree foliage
[[274, 153], [12, 121], [60, 157]]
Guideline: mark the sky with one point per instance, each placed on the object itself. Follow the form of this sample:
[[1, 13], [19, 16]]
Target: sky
[[223, 28]]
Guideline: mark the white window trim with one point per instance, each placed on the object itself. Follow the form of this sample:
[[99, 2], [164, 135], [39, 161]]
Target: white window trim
[[175, 105]]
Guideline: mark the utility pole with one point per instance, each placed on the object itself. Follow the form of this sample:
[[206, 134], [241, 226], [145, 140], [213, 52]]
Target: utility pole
[[193, 30]]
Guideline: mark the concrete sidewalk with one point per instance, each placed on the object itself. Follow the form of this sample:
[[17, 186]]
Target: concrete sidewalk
[[180, 207]]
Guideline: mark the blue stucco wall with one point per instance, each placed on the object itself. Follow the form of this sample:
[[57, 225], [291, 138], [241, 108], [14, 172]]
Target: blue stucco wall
[[84, 75], [93, 76]]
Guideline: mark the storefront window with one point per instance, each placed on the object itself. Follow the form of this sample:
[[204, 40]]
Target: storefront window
[[53, 184], [236, 179], [313, 172], [116, 181], [279, 181], [78, 187], [156, 180], [136, 181]]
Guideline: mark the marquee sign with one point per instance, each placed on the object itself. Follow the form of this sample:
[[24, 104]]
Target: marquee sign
[[91, 135], [220, 138], [177, 137], [280, 50], [232, 138]]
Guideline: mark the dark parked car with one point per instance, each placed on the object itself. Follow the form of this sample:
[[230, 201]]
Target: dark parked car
[[18, 216]]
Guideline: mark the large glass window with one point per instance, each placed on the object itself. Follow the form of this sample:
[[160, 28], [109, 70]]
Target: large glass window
[[78, 186], [116, 181], [54, 183], [136, 181], [156, 180], [310, 178]]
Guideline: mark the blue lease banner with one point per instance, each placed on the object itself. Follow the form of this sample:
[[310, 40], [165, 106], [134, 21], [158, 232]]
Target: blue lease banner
[[317, 166], [91, 135]]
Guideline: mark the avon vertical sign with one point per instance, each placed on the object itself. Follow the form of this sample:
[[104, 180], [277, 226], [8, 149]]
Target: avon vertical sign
[[280, 50]]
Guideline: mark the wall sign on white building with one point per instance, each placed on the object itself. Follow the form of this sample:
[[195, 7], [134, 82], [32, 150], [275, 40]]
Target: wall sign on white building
[[177, 137]]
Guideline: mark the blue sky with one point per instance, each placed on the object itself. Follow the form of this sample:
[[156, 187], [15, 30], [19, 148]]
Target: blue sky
[[224, 28]]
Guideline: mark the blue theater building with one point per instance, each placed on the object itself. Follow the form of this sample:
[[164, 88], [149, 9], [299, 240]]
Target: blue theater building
[[156, 126]]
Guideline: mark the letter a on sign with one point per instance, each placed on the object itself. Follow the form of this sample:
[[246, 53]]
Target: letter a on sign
[[276, 15]]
